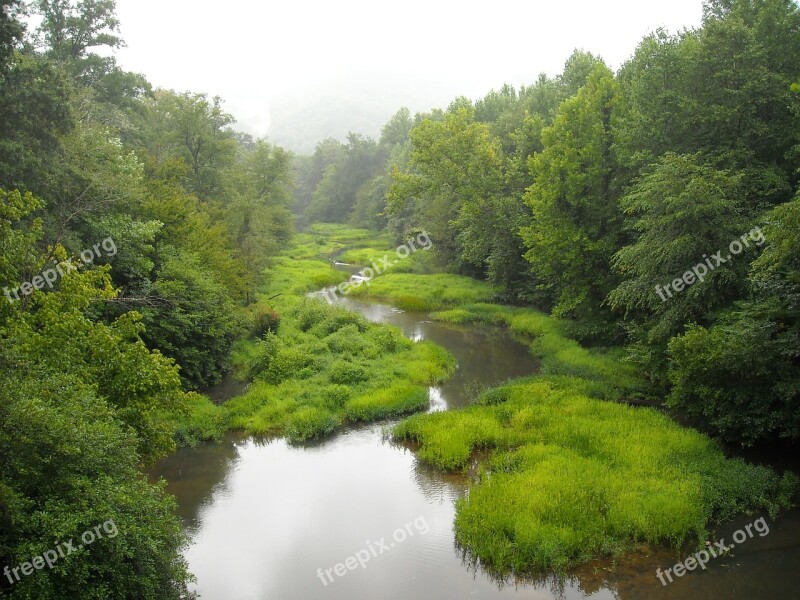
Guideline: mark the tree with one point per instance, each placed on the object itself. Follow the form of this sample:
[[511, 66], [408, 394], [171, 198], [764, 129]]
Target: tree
[[740, 377], [192, 128], [194, 322], [576, 219], [70, 29], [454, 171], [310, 170], [396, 130], [10, 32], [68, 465], [81, 407], [259, 212], [681, 212], [35, 115], [333, 199], [724, 91]]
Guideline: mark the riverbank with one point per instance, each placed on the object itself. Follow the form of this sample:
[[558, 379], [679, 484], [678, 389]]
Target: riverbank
[[569, 476], [315, 367]]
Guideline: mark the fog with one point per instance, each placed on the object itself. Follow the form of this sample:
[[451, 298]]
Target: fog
[[304, 70]]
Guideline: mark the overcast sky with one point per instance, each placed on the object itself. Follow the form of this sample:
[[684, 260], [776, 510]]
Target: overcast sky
[[265, 56]]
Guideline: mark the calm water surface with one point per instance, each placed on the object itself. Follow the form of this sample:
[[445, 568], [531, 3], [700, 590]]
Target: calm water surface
[[264, 516]]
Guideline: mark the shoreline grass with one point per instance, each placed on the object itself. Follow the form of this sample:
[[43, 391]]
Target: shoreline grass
[[326, 367], [572, 478], [568, 476]]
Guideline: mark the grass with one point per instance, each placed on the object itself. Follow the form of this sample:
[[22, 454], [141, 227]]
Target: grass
[[573, 477], [326, 366], [201, 421], [569, 476], [396, 400], [421, 292], [604, 370]]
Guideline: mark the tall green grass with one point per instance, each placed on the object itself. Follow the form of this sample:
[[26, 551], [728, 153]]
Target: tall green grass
[[573, 478], [410, 291], [327, 367]]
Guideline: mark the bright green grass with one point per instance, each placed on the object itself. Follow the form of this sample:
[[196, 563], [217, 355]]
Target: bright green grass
[[326, 367], [396, 400], [572, 478], [426, 292], [294, 276], [201, 421], [325, 240], [329, 366], [361, 257]]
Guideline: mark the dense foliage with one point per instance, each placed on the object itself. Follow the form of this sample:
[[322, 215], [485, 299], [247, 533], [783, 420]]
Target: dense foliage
[[586, 194], [135, 225], [141, 236]]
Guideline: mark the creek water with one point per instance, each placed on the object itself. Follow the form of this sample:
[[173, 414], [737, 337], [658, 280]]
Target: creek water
[[268, 520]]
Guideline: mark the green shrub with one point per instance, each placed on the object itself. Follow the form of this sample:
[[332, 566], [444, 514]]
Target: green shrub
[[264, 354], [346, 373], [265, 320], [348, 340], [335, 396], [387, 338], [289, 363], [396, 400], [310, 423], [573, 478], [336, 319], [202, 422], [309, 313]]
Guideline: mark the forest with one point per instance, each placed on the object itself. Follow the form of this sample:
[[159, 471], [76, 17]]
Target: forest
[[639, 228]]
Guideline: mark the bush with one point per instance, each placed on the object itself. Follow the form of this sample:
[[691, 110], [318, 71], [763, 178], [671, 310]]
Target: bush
[[289, 363], [386, 338], [264, 321], [736, 381], [348, 340], [397, 400], [204, 422], [264, 354], [309, 423], [309, 313], [339, 318], [335, 396], [347, 373]]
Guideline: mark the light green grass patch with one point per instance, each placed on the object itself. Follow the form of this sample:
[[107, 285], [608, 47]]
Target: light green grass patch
[[328, 366], [573, 478], [423, 293], [397, 400]]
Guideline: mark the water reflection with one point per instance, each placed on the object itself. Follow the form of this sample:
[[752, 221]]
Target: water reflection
[[264, 516], [279, 513]]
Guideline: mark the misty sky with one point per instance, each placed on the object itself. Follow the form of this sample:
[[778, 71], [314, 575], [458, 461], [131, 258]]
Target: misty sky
[[295, 58]]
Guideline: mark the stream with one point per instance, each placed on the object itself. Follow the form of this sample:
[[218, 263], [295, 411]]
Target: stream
[[267, 520]]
